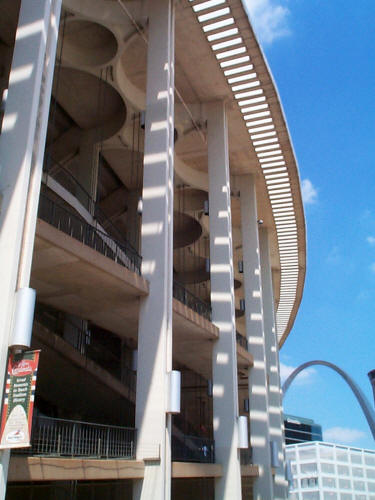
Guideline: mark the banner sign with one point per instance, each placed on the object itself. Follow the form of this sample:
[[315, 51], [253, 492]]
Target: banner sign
[[18, 405]]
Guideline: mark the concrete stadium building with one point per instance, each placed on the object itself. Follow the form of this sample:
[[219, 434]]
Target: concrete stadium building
[[149, 193]]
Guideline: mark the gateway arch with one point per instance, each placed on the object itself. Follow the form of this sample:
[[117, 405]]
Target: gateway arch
[[361, 398]]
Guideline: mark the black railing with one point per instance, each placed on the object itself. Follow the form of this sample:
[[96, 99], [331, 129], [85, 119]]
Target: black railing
[[74, 226], [246, 456], [193, 449], [82, 341], [70, 183], [242, 341], [69, 438], [195, 303]]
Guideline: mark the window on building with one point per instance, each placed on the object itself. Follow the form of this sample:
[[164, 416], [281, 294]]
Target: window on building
[[359, 485], [294, 468], [308, 453], [330, 482], [370, 473], [310, 495], [306, 468], [343, 470], [370, 458], [291, 455], [346, 496], [295, 484], [357, 471], [329, 495], [371, 486], [344, 484], [293, 496], [341, 455], [360, 497], [326, 452], [356, 458], [327, 468]]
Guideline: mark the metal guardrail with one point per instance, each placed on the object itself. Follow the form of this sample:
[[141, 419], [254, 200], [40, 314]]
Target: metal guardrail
[[246, 456], [65, 221], [242, 341], [190, 300], [82, 341], [193, 449], [69, 438]]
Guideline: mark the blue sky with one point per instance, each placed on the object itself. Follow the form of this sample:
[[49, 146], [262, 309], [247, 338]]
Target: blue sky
[[322, 55]]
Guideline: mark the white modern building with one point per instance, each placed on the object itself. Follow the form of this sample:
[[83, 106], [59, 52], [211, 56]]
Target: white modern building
[[149, 193], [324, 471]]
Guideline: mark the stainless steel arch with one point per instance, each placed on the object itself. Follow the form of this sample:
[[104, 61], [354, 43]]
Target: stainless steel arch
[[361, 398]]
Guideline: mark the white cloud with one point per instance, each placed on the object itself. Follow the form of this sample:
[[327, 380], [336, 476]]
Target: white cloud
[[309, 192], [370, 240], [343, 435], [269, 19], [304, 377]]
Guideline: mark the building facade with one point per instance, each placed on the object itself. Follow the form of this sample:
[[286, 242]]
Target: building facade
[[299, 430], [150, 196], [323, 471]]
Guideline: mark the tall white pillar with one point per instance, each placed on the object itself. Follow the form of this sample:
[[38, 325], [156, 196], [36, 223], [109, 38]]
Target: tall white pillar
[[258, 393], [155, 317], [22, 143], [273, 369], [224, 357]]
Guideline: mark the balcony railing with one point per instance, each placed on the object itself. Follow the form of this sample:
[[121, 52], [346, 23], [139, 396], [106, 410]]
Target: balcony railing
[[68, 438], [59, 217], [193, 449], [82, 341], [195, 303], [242, 341]]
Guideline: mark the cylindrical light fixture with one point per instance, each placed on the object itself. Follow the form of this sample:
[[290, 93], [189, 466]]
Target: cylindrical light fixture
[[240, 266], [208, 265], [274, 454], [23, 318], [142, 119], [242, 305], [209, 388], [174, 392], [246, 405], [243, 435], [140, 206], [206, 209], [135, 360]]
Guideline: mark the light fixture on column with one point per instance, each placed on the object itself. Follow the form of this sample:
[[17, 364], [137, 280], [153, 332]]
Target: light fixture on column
[[206, 208], [274, 454], [240, 266], [208, 265], [209, 388], [135, 360], [140, 206], [243, 435], [260, 221], [246, 405], [174, 405], [142, 119], [242, 305], [23, 318]]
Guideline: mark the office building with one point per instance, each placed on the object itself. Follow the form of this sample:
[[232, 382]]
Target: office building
[[323, 471], [151, 197], [299, 430]]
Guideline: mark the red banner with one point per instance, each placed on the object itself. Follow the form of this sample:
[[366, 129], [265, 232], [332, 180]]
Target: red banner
[[18, 404]]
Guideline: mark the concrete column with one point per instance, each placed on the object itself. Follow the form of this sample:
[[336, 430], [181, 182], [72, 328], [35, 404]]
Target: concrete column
[[224, 357], [155, 317], [259, 423], [21, 157], [273, 370]]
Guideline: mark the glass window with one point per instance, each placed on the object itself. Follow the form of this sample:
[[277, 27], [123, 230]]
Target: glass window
[[294, 468], [310, 495], [369, 459], [370, 473], [359, 485], [360, 497], [295, 484], [344, 484], [326, 452], [312, 482], [343, 470], [330, 482], [346, 496], [371, 497], [327, 468], [304, 482], [342, 455], [306, 468], [291, 455], [357, 472], [330, 495], [293, 496], [356, 458], [371, 486], [307, 453]]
